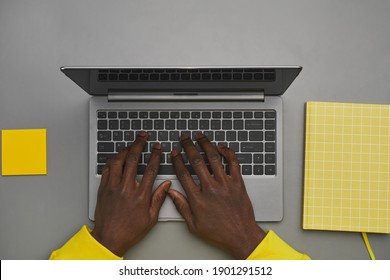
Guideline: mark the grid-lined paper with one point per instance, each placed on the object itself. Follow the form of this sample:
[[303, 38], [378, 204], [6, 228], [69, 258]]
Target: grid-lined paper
[[347, 167]]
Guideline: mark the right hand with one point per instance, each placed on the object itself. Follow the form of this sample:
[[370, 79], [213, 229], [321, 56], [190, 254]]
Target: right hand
[[218, 209]]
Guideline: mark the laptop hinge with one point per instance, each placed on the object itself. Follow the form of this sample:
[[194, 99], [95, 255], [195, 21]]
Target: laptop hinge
[[250, 96]]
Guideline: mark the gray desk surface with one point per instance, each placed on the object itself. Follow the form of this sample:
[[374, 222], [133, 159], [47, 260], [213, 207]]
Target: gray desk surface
[[343, 47]]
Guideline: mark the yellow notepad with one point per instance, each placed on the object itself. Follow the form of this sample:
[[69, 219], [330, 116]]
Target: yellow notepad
[[347, 167], [23, 152]]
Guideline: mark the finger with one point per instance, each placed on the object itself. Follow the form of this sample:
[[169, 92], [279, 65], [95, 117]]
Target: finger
[[182, 173], [213, 156], [133, 157], [105, 174], [116, 168], [182, 207], [152, 168], [196, 160], [231, 158], [158, 199]]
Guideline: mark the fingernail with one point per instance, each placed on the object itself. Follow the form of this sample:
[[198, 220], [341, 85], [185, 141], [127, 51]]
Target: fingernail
[[157, 146], [142, 133], [174, 152], [199, 135], [184, 136]]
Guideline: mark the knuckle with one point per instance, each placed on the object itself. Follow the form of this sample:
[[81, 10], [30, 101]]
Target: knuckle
[[132, 158], [197, 160], [214, 157], [151, 170]]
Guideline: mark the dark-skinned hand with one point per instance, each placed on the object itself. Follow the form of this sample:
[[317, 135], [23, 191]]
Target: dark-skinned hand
[[217, 209], [126, 209]]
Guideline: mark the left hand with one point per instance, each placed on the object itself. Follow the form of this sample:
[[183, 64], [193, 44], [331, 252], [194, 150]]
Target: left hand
[[126, 209]]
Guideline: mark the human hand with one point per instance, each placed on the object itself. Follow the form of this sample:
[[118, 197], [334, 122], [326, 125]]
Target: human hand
[[218, 209], [126, 210]]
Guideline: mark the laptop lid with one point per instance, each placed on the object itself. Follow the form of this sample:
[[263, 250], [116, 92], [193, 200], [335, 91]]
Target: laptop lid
[[184, 81]]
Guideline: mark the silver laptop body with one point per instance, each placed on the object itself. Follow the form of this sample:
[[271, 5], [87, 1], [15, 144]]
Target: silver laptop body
[[187, 91]]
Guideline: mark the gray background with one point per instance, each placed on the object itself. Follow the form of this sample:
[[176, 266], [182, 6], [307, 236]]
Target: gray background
[[343, 46]]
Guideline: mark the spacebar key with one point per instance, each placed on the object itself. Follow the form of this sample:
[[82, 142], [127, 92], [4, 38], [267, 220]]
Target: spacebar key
[[166, 170]]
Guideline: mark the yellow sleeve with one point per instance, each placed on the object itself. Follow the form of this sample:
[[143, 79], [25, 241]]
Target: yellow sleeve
[[272, 247], [82, 246]]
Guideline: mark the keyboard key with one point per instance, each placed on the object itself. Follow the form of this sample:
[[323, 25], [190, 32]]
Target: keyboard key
[[133, 115], [204, 124], [174, 135], [105, 147], [270, 124], [269, 136], [117, 135], [258, 170], [209, 135], [231, 136], [185, 115], [270, 147], [147, 124], [143, 115], [206, 115], [162, 136], [220, 135], [237, 115], [258, 115], [181, 124], [246, 169], [135, 124], [122, 115], [244, 158], [112, 115], [124, 124], [170, 125], [248, 115], [102, 115], [252, 147], [102, 158], [119, 146], [269, 158], [104, 136], [227, 124], [129, 135], [270, 115], [113, 124], [253, 124], [102, 124], [238, 124], [99, 169], [175, 115], [270, 170], [158, 124], [255, 136], [192, 124], [227, 115], [215, 124], [166, 146], [243, 136], [152, 135], [166, 170], [258, 158]]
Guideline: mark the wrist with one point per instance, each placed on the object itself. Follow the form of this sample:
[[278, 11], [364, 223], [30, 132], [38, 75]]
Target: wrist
[[248, 241], [107, 243]]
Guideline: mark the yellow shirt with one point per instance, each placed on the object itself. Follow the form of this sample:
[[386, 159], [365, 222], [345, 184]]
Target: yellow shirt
[[82, 246]]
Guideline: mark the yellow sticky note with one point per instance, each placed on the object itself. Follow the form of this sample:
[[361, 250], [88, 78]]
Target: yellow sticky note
[[24, 152]]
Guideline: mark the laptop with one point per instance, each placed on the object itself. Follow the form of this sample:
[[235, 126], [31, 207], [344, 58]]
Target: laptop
[[238, 106]]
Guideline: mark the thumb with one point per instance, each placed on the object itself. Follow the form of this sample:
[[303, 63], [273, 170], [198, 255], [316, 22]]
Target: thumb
[[158, 199], [182, 207]]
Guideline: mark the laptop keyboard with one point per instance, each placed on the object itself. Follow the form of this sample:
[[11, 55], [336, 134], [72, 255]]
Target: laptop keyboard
[[251, 134]]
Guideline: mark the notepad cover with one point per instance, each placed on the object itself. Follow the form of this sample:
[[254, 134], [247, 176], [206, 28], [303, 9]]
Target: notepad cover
[[347, 167], [23, 152]]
